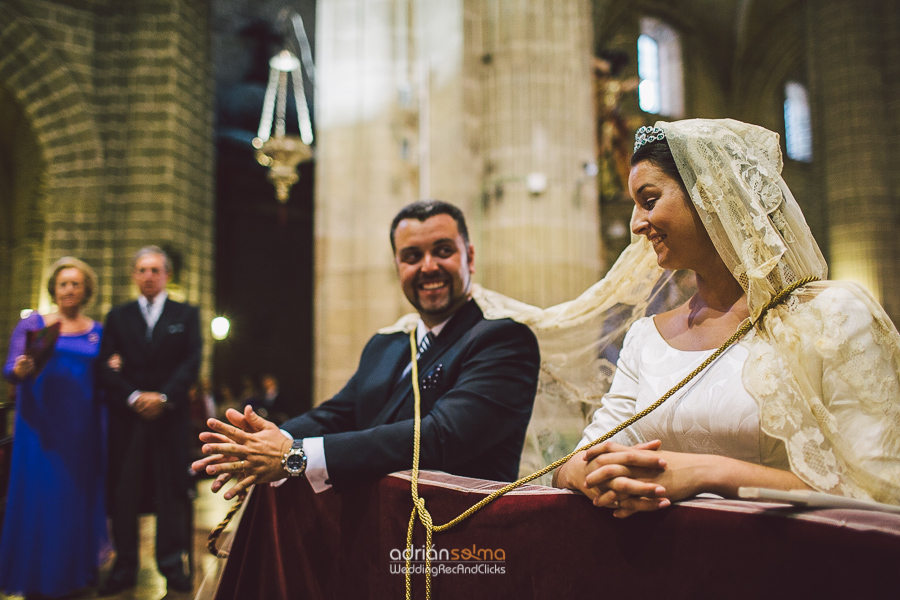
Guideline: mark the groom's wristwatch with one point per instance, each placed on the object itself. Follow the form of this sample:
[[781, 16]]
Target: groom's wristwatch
[[294, 460]]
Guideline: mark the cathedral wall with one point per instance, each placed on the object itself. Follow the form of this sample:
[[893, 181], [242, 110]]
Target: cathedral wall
[[854, 55], [106, 113]]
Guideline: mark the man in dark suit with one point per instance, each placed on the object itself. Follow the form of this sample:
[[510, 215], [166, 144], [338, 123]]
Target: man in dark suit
[[149, 357], [477, 379]]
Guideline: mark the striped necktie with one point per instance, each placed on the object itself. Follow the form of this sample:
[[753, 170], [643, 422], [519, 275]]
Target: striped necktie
[[425, 344]]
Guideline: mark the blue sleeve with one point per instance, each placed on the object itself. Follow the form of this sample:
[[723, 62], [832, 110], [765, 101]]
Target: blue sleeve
[[17, 344]]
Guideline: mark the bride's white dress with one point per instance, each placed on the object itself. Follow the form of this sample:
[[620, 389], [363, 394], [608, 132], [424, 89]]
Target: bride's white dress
[[712, 414]]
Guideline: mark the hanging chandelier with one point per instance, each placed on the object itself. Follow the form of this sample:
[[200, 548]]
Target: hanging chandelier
[[276, 149]]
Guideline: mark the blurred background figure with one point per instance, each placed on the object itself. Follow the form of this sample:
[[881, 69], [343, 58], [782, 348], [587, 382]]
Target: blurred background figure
[[209, 400], [270, 403], [226, 399], [203, 405], [157, 343], [54, 528], [249, 391]]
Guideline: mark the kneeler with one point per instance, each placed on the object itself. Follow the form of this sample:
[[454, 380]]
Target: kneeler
[[549, 543]]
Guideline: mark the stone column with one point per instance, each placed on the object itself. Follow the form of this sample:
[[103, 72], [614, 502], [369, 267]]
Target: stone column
[[538, 245], [854, 55], [365, 172]]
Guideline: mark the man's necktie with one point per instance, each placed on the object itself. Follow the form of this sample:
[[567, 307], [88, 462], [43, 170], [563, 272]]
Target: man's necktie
[[147, 318], [424, 345]]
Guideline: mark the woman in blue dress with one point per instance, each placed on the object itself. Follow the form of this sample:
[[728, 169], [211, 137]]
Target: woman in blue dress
[[54, 528]]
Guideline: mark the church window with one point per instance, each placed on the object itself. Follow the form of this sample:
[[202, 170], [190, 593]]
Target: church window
[[661, 90], [797, 122]]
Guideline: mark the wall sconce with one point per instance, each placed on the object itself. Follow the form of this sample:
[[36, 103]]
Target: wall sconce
[[276, 149], [536, 183], [494, 188]]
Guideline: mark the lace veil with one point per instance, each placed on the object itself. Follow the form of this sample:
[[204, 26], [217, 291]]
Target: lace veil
[[823, 366]]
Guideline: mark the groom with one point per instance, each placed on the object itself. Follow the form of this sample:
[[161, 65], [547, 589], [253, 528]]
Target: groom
[[477, 379]]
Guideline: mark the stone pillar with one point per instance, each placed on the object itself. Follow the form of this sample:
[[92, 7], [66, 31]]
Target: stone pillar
[[538, 245], [154, 82], [854, 53], [365, 172]]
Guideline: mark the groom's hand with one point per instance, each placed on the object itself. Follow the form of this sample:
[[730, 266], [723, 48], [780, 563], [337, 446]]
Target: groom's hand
[[250, 450]]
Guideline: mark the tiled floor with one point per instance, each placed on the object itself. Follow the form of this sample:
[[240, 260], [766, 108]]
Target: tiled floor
[[209, 509]]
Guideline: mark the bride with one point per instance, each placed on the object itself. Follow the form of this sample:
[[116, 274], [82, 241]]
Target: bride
[[808, 398]]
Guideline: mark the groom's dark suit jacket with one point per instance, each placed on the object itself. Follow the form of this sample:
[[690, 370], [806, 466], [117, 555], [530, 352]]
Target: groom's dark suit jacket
[[167, 363], [477, 382]]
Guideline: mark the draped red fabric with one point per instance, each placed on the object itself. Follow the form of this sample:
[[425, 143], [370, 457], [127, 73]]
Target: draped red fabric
[[546, 543]]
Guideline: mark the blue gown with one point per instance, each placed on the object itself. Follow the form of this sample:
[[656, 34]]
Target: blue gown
[[54, 529]]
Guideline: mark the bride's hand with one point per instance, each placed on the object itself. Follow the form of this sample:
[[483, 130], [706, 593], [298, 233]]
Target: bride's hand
[[604, 489], [625, 478]]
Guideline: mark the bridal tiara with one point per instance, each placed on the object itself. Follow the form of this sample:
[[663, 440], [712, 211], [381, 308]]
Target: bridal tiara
[[647, 134]]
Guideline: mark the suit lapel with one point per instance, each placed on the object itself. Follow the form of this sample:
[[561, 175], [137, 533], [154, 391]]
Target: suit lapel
[[458, 325], [137, 325], [162, 325], [397, 354]]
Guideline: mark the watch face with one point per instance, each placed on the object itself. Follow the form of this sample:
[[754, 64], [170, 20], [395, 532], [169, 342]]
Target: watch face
[[294, 463]]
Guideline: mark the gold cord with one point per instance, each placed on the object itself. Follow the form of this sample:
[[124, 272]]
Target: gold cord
[[215, 533], [419, 503]]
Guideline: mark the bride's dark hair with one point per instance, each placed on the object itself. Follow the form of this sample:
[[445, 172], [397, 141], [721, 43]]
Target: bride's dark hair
[[659, 154]]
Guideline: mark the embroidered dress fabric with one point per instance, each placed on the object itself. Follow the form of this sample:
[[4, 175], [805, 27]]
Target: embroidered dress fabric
[[823, 368], [713, 414]]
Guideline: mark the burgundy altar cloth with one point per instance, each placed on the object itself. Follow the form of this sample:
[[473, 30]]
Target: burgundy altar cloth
[[294, 544]]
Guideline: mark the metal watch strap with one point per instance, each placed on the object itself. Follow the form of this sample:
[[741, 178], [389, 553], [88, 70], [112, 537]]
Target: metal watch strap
[[295, 451]]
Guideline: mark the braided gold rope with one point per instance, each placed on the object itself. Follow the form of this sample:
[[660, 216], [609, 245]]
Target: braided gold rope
[[215, 533], [419, 503]]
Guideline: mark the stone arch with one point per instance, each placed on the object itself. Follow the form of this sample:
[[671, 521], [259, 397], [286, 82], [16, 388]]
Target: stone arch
[[58, 157], [775, 52], [51, 98]]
